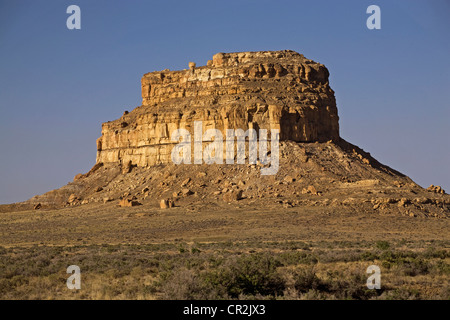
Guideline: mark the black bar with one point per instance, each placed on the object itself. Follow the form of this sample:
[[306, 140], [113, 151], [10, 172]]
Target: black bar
[[229, 309]]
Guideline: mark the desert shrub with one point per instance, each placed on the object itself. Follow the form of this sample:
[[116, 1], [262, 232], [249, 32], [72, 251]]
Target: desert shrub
[[215, 261], [336, 285], [352, 287], [118, 271], [111, 249], [297, 257], [195, 250], [18, 281], [193, 262], [185, 284], [397, 257], [344, 244], [437, 254], [293, 245], [383, 245], [413, 267], [306, 280], [445, 293], [405, 263], [151, 289], [441, 267], [329, 256], [248, 275], [401, 294], [5, 286], [368, 256]]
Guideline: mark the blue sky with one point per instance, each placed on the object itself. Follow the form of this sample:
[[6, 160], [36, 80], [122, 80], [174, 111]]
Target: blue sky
[[57, 85]]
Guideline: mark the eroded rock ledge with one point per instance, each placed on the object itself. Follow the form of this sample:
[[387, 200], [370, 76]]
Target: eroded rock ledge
[[261, 90]]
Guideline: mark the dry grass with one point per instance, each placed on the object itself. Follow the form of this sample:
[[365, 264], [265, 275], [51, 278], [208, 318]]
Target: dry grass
[[224, 252], [225, 270]]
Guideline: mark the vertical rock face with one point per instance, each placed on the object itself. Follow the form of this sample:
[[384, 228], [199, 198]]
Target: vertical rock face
[[261, 90]]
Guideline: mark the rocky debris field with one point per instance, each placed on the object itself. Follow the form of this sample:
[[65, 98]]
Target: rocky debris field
[[324, 175]]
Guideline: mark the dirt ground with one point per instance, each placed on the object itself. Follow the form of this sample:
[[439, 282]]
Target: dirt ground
[[187, 253], [109, 223]]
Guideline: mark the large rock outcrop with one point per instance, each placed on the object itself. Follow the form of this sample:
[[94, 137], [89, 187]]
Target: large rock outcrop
[[261, 90], [279, 90]]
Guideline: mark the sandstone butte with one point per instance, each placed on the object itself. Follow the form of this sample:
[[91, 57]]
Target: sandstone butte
[[261, 90]]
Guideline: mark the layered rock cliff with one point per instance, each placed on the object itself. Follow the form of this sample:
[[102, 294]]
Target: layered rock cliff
[[261, 90]]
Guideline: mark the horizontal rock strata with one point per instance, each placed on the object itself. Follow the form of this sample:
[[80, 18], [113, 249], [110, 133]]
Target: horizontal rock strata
[[258, 90]]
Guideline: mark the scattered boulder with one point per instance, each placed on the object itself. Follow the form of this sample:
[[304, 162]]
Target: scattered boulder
[[126, 195], [398, 184], [38, 206], [128, 203], [78, 177], [403, 202], [98, 189], [436, 189], [185, 182], [389, 200], [72, 198], [423, 200], [289, 179], [127, 167], [311, 190], [233, 195], [186, 192], [166, 203], [287, 204]]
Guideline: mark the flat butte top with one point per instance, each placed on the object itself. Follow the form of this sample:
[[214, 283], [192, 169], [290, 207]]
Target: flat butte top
[[244, 78]]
